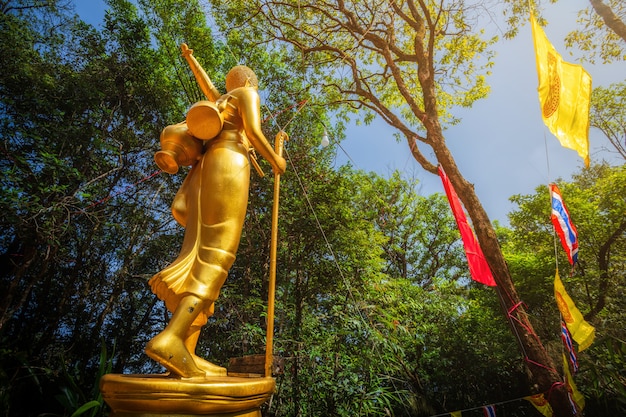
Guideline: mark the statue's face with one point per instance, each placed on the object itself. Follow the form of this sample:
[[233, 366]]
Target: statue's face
[[241, 76]]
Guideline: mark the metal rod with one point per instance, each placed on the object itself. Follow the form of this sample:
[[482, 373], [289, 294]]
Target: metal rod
[[271, 291]]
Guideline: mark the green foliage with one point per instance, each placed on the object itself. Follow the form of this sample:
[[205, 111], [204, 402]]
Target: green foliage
[[592, 36], [374, 305], [595, 201], [366, 54], [83, 224], [74, 398], [422, 241], [608, 114], [606, 380], [595, 38]]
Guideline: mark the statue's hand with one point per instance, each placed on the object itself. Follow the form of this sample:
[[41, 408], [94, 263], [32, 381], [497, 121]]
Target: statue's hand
[[186, 50], [280, 165]]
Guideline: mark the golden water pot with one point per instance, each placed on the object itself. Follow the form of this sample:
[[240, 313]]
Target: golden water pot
[[178, 148], [204, 120]]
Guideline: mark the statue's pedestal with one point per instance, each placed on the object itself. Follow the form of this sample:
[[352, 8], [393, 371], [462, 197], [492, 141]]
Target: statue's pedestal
[[161, 395]]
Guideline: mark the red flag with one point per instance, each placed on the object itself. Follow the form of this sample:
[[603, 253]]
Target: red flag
[[479, 269]]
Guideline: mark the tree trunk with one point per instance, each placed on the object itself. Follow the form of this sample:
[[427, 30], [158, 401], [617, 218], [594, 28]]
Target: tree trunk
[[609, 18], [603, 265], [544, 373], [21, 279]]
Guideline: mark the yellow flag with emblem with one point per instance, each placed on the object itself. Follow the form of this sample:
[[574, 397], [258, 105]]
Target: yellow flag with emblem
[[541, 404], [564, 93], [582, 332]]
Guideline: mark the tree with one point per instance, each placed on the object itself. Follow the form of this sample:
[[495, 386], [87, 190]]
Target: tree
[[594, 200], [81, 194], [608, 114], [83, 221], [426, 315], [422, 236], [410, 63], [331, 252], [603, 29]]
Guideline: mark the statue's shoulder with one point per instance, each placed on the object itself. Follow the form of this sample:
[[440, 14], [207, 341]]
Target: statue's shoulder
[[244, 93]]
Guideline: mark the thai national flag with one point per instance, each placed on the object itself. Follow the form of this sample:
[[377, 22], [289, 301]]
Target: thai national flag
[[567, 341], [563, 225], [489, 410], [572, 403]]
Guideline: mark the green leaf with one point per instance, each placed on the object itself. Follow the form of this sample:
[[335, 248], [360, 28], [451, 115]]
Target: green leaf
[[86, 407]]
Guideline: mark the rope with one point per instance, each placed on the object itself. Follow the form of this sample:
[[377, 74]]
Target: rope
[[513, 312], [555, 385], [494, 404], [347, 284], [512, 309], [526, 359], [126, 189], [300, 105], [525, 325]]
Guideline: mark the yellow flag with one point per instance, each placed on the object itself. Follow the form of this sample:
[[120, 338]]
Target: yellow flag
[[576, 396], [582, 332], [455, 414], [564, 94], [541, 404]]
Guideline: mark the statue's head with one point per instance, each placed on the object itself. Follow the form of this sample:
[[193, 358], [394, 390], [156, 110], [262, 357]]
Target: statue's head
[[241, 76]]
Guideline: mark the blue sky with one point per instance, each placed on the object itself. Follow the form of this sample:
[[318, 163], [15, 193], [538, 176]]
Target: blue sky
[[501, 144]]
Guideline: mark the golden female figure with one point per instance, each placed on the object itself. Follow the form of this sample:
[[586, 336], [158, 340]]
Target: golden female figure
[[211, 205]]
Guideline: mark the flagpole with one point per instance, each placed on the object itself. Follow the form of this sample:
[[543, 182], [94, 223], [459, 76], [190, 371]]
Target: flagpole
[[281, 137], [556, 253]]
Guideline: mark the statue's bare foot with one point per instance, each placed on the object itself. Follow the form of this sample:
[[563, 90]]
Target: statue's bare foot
[[209, 368], [170, 351]]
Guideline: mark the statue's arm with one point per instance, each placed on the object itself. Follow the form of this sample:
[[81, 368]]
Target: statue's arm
[[250, 108], [205, 83]]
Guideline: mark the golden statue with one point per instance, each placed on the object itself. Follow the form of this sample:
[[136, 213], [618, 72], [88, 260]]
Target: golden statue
[[218, 139], [211, 205]]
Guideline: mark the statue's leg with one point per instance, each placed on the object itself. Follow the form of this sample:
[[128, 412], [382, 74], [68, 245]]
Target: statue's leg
[[190, 342], [207, 277], [168, 347]]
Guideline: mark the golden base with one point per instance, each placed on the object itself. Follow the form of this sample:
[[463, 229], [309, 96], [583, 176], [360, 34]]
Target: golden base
[[159, 395], [252, 413]]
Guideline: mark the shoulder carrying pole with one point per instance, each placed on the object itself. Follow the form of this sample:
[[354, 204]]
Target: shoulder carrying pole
[[278, 146]]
